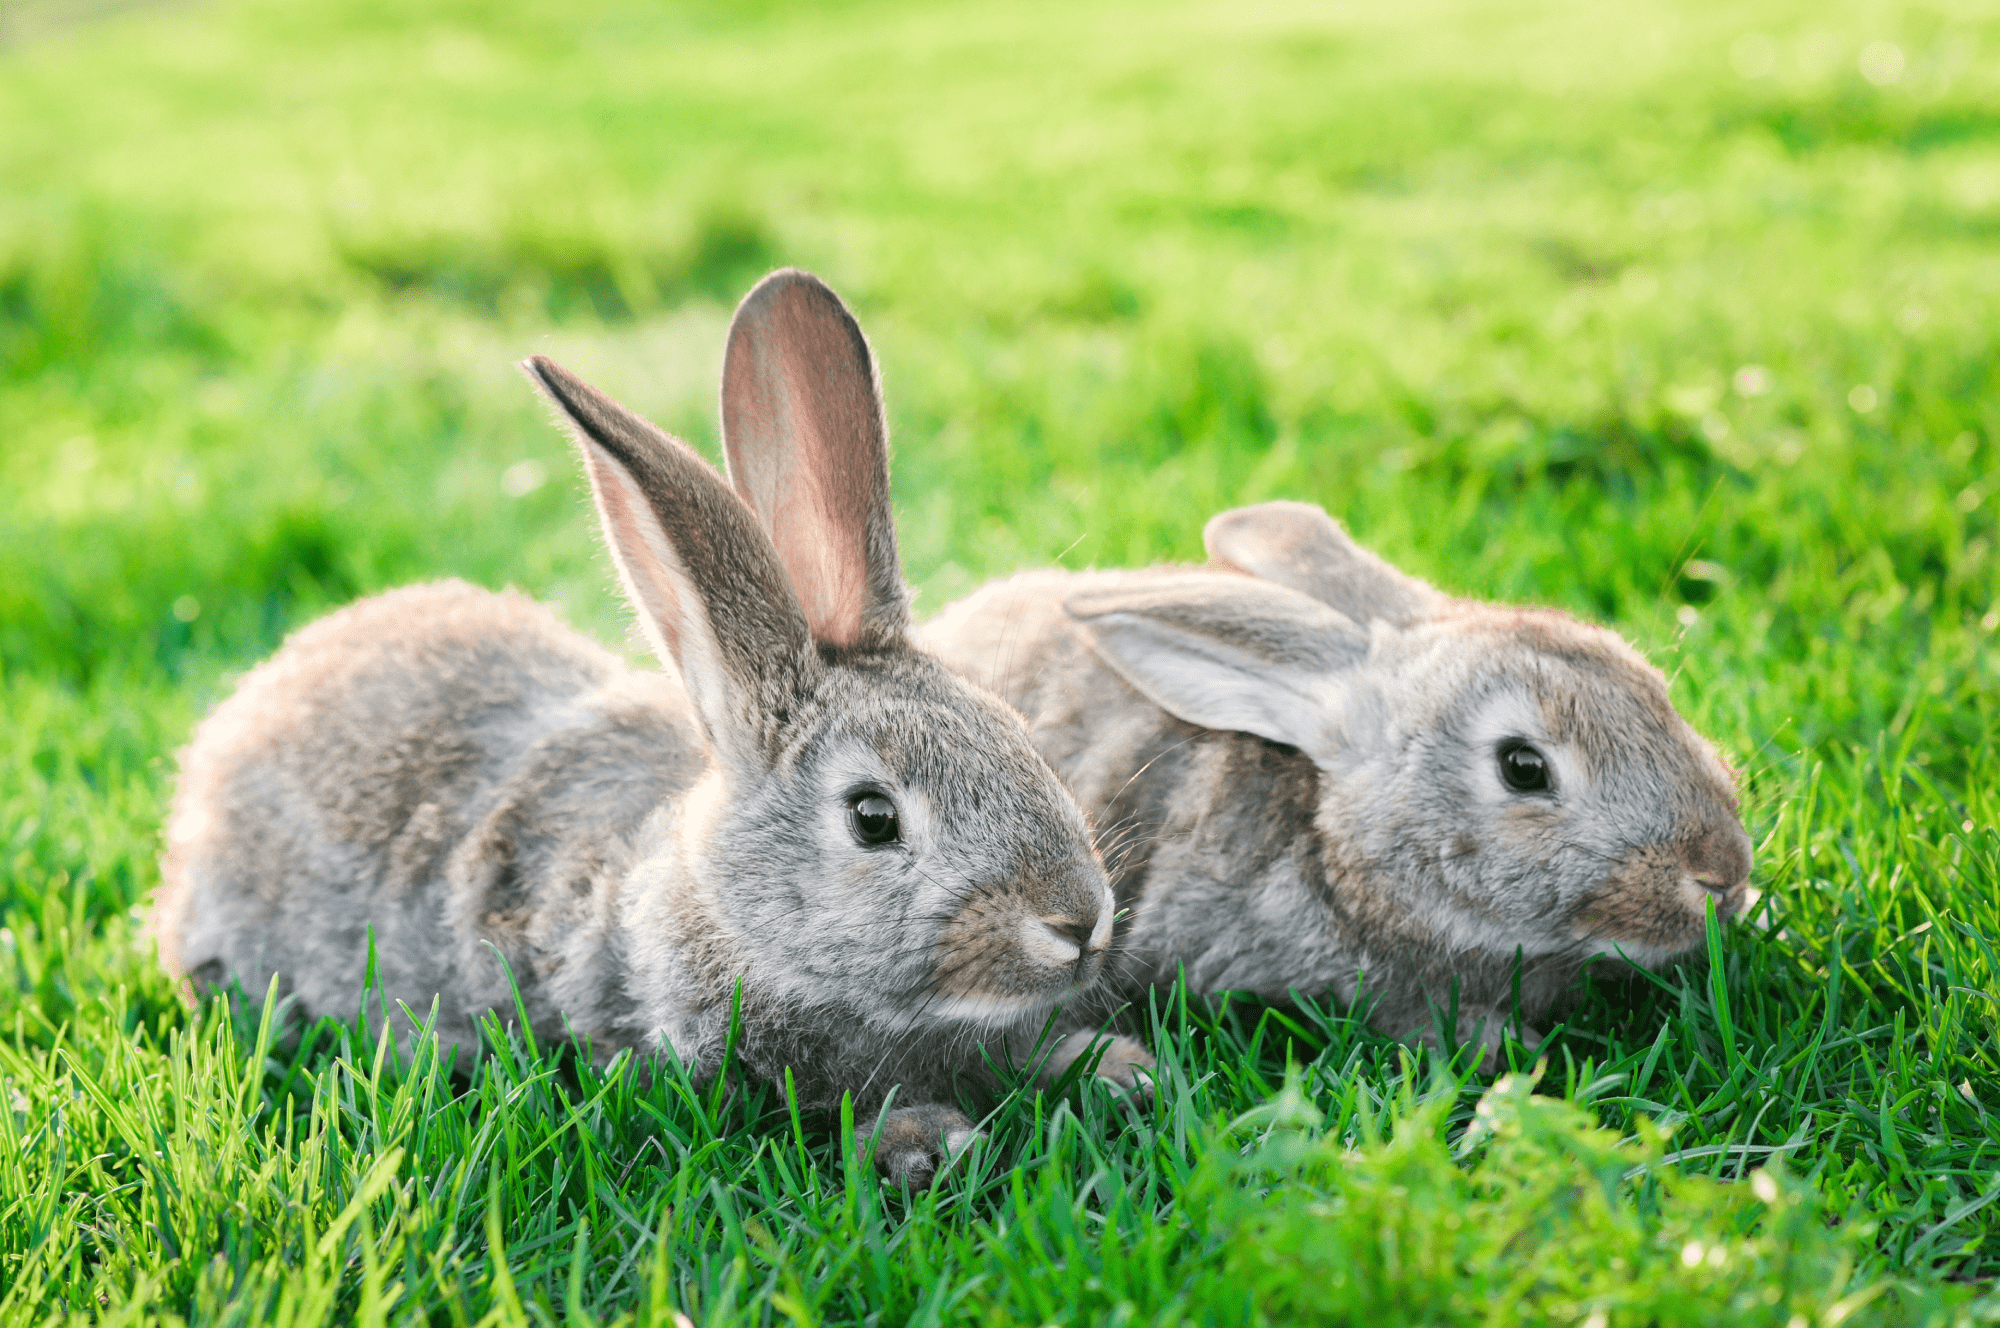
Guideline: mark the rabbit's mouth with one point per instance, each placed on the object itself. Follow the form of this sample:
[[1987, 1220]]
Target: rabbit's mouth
[[1062, 944], [1654, 902], [1649, 927], [1014, 966]]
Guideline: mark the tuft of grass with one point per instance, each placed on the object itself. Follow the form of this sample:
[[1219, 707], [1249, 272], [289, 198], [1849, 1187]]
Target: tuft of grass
[[1680, 315], [1536, 1216]]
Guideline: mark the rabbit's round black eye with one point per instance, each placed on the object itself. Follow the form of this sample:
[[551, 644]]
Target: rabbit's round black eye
[[873, 819], [1523, 769]]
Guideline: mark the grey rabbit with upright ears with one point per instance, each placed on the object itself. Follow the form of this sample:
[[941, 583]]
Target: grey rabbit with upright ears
[[802, 807], [1313, 773]]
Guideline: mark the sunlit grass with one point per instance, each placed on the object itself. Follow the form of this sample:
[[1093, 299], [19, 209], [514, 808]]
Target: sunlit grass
[[1682, 316]]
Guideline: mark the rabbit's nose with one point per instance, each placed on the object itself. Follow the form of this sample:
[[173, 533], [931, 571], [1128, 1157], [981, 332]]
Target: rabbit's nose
[[1719, 862], [1062, 941], [1079, 930]]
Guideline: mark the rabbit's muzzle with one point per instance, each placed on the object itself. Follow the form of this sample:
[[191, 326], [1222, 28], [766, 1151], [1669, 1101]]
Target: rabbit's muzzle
[[1654, 903], [1006, 953], [1069, 941], [1718, 863]]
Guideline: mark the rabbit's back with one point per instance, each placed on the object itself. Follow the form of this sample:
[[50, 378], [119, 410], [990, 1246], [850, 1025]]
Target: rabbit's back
[[452, 769]]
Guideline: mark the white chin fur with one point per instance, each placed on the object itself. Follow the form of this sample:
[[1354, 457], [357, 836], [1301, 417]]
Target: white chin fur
[[983, 1009]]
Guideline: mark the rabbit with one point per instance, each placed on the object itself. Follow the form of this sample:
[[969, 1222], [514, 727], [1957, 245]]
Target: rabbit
[[802, 815], [1313, 773]]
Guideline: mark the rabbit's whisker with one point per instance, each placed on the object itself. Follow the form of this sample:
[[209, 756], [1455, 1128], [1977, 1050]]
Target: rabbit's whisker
[[964, 896], [1588, 851], [1112, 801]]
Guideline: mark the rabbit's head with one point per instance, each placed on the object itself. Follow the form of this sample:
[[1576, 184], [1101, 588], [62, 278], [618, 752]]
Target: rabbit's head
[[1503, 779], [873, 836]]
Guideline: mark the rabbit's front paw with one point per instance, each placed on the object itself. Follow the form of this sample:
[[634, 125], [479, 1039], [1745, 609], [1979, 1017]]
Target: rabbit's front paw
[[1487, 1030], [1493, 1037], [1125, 1065], [917, 1142]]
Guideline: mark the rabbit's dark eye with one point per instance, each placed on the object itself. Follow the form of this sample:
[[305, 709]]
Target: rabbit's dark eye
[[1523, 769], [873, 820]]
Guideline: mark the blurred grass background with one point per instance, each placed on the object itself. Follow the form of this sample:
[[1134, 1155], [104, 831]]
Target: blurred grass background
[[1476, 277], [1680, 315]]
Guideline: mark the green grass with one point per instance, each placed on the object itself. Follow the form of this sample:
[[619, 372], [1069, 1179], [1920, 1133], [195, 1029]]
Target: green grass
[[1683, 316]]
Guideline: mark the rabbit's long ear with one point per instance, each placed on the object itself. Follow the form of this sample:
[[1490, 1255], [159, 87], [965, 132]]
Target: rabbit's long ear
[[1223, 652], [704, 580], [1299, 546], [808, 450]]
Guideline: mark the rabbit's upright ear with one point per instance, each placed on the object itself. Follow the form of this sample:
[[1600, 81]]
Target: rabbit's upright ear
[[808, 450], [1299, 546], [1223, 652], [704, 580]]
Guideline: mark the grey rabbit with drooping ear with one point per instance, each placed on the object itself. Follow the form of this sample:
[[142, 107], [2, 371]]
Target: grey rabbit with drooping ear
[[802, 807], [1311, 772]]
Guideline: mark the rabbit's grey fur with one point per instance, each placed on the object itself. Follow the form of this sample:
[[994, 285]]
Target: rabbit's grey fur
[[1293, 775], [461, 775]]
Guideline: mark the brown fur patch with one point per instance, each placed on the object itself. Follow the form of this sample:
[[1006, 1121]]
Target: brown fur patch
[[1641, 902], [916, 1143]]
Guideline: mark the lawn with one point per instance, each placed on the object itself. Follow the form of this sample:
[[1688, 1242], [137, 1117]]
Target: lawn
[[1682, 316]]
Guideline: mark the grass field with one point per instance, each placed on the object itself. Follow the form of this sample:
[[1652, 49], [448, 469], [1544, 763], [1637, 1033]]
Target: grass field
[[1683, 316]]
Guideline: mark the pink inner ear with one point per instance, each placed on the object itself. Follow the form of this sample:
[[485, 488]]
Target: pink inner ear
[[819, 521]]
